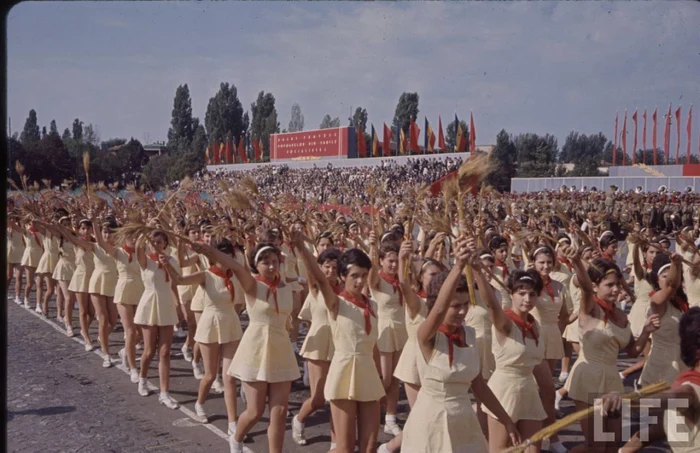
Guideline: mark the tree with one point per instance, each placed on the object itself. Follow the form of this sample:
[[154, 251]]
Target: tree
[[261, 125], [53, 128], [112, 143], [199, 143], [14, 152], [536, 155], [224, 118], [182, 125], [66, 135], [43, 132], [296, 123], [406, 109], [585, 152], [327, 122], [359, 119], [30, 135], [503, 156], [156, 170], [450, 134], [91, 135], [77, 130]]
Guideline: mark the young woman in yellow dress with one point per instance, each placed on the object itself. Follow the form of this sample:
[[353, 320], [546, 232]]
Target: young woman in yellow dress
[[353, 385], [318, 344], [15, 250], [33, 250], [188, 263], [442, 418], [691, 274], [44, 271], [219, 330]]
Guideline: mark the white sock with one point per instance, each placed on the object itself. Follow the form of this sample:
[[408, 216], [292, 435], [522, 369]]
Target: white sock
[[390, 419], [232, 427], [163, 394], [143, 380]]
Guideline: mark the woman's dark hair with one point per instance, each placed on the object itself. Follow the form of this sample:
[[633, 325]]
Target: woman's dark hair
[[86, 222], [272, 250], [190, 228], [689, 333], [390, 237], [270, 235], [328, 255], [660, 261], [110, 225], [398, 229], [600, 267], [497, 242], [225, 246], [436, 283], [426, 263], [62, 212], [563, 237], [388, 247], [607, 240], [325, 235], [481, 251], [542, 249], [159, 233], [352, 257], [519, 279]]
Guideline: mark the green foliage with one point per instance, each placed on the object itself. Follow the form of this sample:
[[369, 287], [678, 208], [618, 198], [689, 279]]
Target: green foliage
[[585, 152], [359, 119], [504, 156], [224, 118], [536, 155], [31, 134], [53, 128], [77, 130], [156, 171], [450, 136], [66, 135], [327, 122], [296, 123], [264, 120], [406, 109], [182, 127]]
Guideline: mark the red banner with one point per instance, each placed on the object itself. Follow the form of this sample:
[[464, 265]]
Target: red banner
[[310, 145]]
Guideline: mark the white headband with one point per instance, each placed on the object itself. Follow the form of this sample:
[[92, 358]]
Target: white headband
[[538, 250], [663, 268], [63, 218], [264, 249], [384, 236], [526, 278], [563, 240], [487, 255], [605, 233]]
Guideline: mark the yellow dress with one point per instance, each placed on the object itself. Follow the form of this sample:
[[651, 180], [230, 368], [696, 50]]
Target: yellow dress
[[595, 372], [318, 344], [479, 319], [353, 374], [638, 313], [571, 331], [289, 267], [157, 306], [49, 258], [664, 361], [692, 285], [15, 247], [407, 367], [513, 383], [219, 322], [686, 438], [265, 353], [442, 419], [129, 287], [546, 312], [63, 272], [32, 248], [198, 296], [391, 318], [186, 292], [84, 266], [104, 278]]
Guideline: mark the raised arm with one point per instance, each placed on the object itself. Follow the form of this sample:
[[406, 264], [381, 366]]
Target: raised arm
[[140, 251], [636, 265], [500, 320], [315, 273], [412, 301], [96, 231], [181, 280], [247, 281], [75, 240], [583, 281], [183, 260], [373, 278], [673, 282]]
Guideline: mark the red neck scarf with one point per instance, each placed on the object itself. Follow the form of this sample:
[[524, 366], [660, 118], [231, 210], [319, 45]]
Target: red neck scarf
[[364, 304], [271, 289], [453, 338], [548, 287], [36, 238], [504, 268], [422, 294], [153, 257], [567, 263], [227, 279], [687, 377], [394, 282], [525, 326], [608, 257], [609, 312], [338, 288], [677, 302], [129, 251]]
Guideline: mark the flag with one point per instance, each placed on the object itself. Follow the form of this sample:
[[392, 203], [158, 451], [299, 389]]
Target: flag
[[689, 132], [375, 143], [472, 134], [460, 140], [361, 144], [241, 150], [429, 138], [229, 152], [624, 140], [386, 143], [206, 156], [644, 138], [634, 148], [436, 187], [653, 133], [402, 142], [441, 137], [255, 151], [667, 135], [678, 132], [414, 132], [614, 162], [222, 156]]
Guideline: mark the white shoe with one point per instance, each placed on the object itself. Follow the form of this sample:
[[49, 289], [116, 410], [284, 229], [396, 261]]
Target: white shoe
[[383, 448], [39, 310], [186, 352], [237, 447], [134, 376], [198, 370], [392, 428], [179, 333], [26, 303], [89, 347], [298, 432], [168, 402], [333, 446], [107, 362], [305, 379], [562, 376], [557, 447], [200, 415], [143, 387], [557, 400], [218, 385], [139, 346], [18, 301], [622, 376]]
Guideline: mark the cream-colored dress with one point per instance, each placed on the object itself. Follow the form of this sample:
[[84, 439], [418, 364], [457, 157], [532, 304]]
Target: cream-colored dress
[[686, 438], [513, 383], [571, 331], [219, 322], [197, 304], [442, 419], [318, 344], [15, 247], [353, 374], [407, 368], [692, 285], [479, 318], [157, 306], [265, 353], [32, 248], [50, 257], [391, 318], [546, 312], [104, 278], [186, 292], [63, 272], [129, 287], [289, 267], [664, 361], [638, 313], [84, 266], [595, 372]]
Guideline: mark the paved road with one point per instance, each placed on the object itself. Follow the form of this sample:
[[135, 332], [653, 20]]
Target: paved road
[[61, 399]]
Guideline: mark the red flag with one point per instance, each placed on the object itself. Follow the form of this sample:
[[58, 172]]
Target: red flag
[[413, 133], [689, 132], [678, 132], [472, 134], [361, 145], [634, 148], [614, 162], [255, 150], [386, 149], [436, 187], [229, 152], [644, 138], [624, 140], [214, 153], [241, 149], [667, 135], [460, 139], [441, 137], [653, 134]]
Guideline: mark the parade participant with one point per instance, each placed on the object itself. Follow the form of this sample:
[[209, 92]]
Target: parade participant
[[442, 418], [44, 271], [33, 250], [219, 330], [15, 250], [156, 313], [186, 292], [324, 241], [498, 245]]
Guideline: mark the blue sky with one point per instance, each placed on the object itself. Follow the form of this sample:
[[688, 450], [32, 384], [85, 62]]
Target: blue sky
[[543, 67]]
